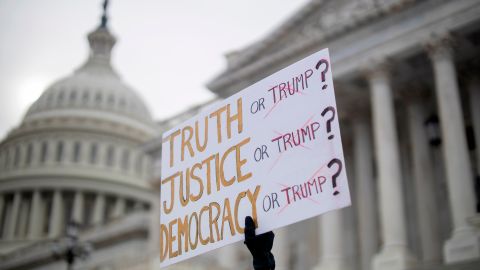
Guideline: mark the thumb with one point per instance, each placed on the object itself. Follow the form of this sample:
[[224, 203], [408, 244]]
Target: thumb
[[249, 227]]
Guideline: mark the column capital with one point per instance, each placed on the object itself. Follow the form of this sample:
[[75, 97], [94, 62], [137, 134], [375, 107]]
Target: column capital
[[440, 45], [377, 68]]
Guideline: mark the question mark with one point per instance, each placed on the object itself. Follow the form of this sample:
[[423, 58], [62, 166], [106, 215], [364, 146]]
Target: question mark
[[335, 175], [323, 61], [329, 127]]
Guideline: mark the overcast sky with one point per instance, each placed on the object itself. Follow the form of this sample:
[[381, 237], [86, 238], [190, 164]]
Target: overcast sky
[[166, 50]]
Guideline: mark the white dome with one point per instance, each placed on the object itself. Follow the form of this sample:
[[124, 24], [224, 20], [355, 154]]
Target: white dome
[[94, 87], [89, 125]]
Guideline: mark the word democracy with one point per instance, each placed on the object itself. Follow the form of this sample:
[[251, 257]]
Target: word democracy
[[185, 233], [188, 184]]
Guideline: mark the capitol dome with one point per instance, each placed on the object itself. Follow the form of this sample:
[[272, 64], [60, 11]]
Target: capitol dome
[[78, 153], [94, 88]]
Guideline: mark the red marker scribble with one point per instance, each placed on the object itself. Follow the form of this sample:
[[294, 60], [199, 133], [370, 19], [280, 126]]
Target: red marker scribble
[[309, 198], [301, 144], [276, 103]]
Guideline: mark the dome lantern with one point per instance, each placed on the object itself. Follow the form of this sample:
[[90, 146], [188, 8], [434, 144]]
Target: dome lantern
[[101, 43]]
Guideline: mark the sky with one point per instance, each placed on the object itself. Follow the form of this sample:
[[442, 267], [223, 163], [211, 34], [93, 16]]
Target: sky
[[166, 50]]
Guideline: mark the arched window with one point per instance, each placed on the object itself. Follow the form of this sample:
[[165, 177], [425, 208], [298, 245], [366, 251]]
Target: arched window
[[125, 160], [43, 152], [73, 96], [16, 156], [93, 153], [28, 158], [110, 156], [49, 98], [59, 152], [61, 96], [76, 152], [86, 97]]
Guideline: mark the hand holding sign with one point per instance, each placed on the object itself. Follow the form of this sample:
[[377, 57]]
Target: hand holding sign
[[272, 151]]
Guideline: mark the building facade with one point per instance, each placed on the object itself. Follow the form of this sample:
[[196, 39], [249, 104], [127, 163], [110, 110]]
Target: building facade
[[407, 88], [407, 83], [77, 157]]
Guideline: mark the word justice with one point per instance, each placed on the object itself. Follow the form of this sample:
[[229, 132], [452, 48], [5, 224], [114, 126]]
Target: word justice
[[290, 87], [184, 234], [186, 134], [297, 137], [180, 182]]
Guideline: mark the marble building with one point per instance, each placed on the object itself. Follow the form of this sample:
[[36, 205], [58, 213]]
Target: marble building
[[406, 75], [77, 156]]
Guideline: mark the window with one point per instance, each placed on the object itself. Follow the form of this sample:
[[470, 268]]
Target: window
[[93, 153], [28, 159], [44, 152], [16, 156], [110, 156], [59, 152], [76, 152], [60, 97], [125, 159], [73, 96], [2, 159], [49, 98], [98, 98], [85, 97]]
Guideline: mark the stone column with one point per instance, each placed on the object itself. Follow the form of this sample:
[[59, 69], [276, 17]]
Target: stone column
[[147, 167], [281, 249], [464, 243], [301, 245], [56, 215], [36, 217], [366, 206], [333, 255], [394, 253], [119, 209], [99, 209], [474, 97], [78, 207], [118, 157], [11, 222], [23, 219], [427, 208]]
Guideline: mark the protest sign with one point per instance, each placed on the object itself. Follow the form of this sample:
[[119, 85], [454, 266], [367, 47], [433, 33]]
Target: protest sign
[[272, 151]]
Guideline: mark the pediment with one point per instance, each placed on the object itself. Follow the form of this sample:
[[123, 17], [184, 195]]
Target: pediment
[[318, 20]]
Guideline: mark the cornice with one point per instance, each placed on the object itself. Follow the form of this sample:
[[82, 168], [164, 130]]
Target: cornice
[[386, 44]]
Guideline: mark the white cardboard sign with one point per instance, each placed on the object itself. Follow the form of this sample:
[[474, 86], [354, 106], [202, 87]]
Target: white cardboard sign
[[272, 151]]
